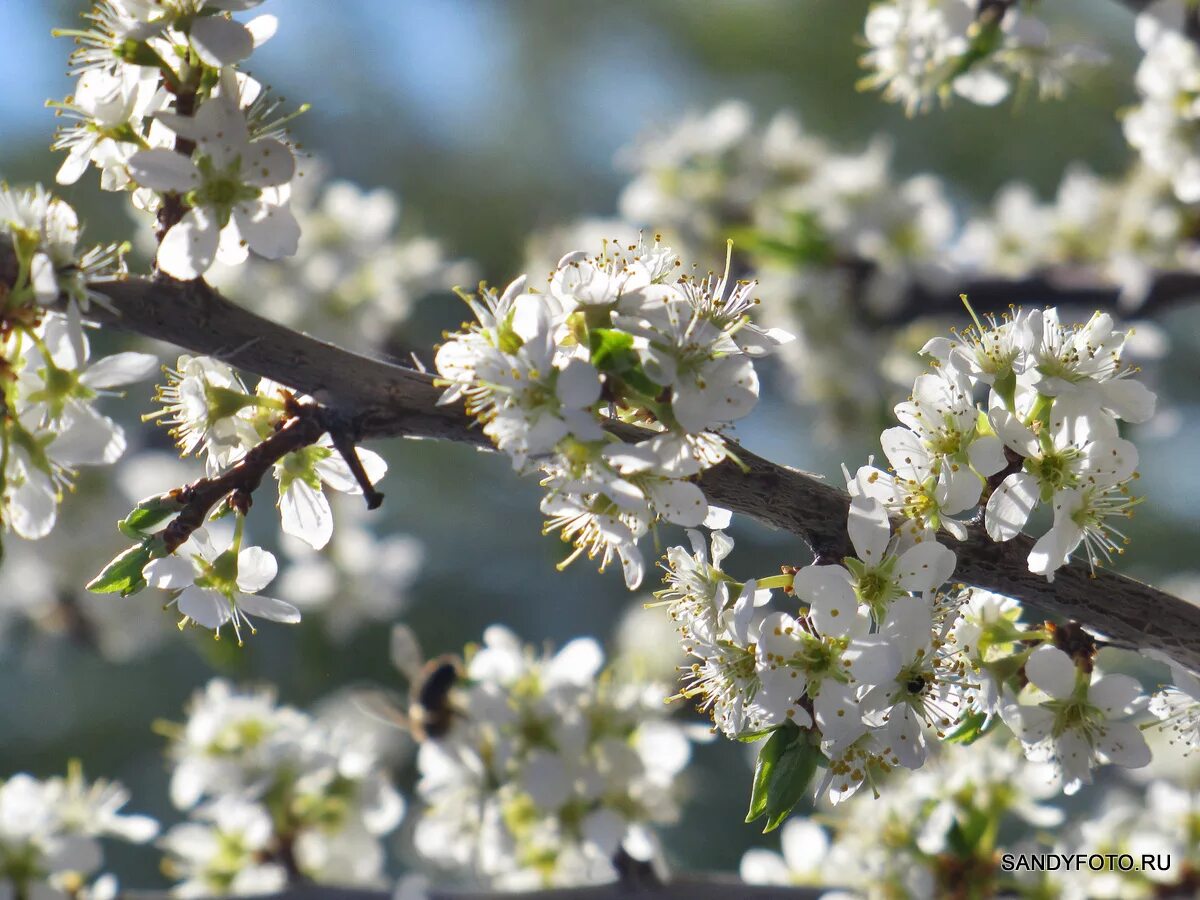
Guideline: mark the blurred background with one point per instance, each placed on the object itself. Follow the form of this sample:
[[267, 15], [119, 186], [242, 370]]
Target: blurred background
[[492, 121]]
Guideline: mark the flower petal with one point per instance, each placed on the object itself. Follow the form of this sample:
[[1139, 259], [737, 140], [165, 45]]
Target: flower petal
[[1051, 670], [188, 249]]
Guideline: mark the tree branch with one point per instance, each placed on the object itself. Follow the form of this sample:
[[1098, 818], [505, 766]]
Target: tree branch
[[1063, 287], [380, 399]]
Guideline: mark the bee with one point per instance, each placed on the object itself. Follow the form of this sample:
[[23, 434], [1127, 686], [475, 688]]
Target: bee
[[431, 708]]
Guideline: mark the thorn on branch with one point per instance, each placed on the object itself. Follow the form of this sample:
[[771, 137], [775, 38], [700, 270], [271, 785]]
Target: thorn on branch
[[343, 443]]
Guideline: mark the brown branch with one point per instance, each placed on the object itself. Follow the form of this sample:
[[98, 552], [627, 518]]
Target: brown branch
[[379, 399], [1063, 287], [242, 479], [382, 400]]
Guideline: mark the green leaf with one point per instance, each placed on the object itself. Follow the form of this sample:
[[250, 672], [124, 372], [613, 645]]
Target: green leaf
[[612, 350], [786, 765], [790, 778], [612, 353], [971, 729], [148, 513], [764, 768], [124, 574]]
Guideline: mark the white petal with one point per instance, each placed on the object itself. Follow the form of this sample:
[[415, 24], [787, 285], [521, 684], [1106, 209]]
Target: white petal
[[578, 663], [206, 607], [268, 608], [188, 249], [271, 231], [1054, 548], [262, 28], [804, 845], [1009, 507], [1051, 670], [268, 163], [221, 42], [1122, 743], [163, 170], [304, 513], [256, 568], [925, 566], [578, 384], [119, 369], [171, 573], [870, 530], [986, 454], [679, 502], [34, 506], [1129, 399], [827, 588], [1114, 694], [717, 518]]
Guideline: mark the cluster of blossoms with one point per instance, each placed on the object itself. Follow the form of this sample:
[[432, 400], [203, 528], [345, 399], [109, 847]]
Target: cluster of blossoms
[[353, 280], [49, 383], [1048, 430], [213, 413], [620, 337], [1163, 126], [849, 250], [273, 795], [922, 51], [50, 835], [161, 112], [873, 655], [214, 581], [941, 828], [537, 769]]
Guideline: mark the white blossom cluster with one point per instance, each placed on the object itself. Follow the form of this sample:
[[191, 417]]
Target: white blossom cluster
[[899, 846], [872, 655], [213, 413], [50, 833], [273, 795], [214, 580], [1163, 126], [920, 52], [946, 826], [49, 424], [548, 767], [1054, 396], [616, 337], [353, 279], [160, 110], [852, 251], [862, 658]]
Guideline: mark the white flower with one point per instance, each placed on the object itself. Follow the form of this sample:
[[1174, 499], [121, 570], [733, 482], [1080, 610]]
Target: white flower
[[235, 189], [204, 401], [111, 107], [220, 855], [217, 585], [231, 740], [726, 680], [883, 570], [805, 848], [45, 236], [1074, 721], [1177, 706], [303, 507], [697, 591], [914, 45]]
